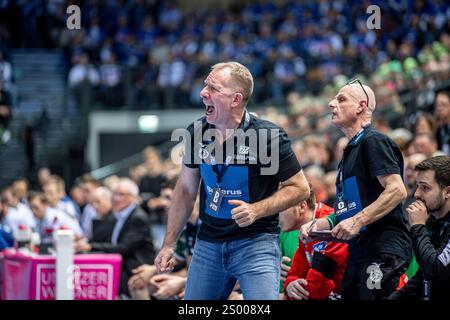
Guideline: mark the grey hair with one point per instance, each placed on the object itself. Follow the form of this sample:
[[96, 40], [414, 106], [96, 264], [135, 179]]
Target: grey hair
[[129, 185], [103, 192]]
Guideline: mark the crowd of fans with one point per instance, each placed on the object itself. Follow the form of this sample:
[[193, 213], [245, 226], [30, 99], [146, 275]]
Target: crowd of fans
[[161, 51]]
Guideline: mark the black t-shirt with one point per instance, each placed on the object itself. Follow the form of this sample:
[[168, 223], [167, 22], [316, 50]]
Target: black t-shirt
[[368, 155], [250, 176]]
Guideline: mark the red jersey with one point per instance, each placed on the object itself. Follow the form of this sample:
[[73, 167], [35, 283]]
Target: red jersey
[[321, 263]]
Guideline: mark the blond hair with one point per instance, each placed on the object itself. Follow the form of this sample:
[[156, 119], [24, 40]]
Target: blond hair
[[240, 75]]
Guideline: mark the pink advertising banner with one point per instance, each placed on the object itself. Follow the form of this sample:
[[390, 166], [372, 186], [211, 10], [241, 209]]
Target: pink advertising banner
[[93, 277]]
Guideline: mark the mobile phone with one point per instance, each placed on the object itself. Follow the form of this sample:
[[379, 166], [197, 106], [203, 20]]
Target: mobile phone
[[322, 235]]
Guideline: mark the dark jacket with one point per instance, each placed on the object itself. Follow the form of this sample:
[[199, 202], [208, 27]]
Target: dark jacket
[[102, 228], [134, 243], [431, 244]]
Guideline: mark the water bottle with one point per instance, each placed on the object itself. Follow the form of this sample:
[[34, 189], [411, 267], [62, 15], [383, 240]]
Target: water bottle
[[22, 236], [46, 245]]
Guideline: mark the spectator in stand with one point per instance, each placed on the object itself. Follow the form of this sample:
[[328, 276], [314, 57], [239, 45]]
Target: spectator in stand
[[88, 185], [146, 284], [171, 76], [111, 181], [330, 187], [425, 124], [103, 224], [146, 93], [43, 176], [111, 82], [410, 176], [83, 81], [20, 187], [48, 219], [55, 192], [151, 182], [442, 113], [5, 73], [83, 72], [6, 233], [76, 193], [290, 221], [315, 175], [5, 115], [17, 213], [160, 205], [427, 145], [136, 173], [131, 236]]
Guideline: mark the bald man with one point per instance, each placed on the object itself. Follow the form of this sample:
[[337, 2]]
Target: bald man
[[369, 193]]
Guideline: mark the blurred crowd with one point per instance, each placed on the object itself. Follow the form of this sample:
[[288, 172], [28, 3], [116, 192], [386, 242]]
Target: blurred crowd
[[161, 51]]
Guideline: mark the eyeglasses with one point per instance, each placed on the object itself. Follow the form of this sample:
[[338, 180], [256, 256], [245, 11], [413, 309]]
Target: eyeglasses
[[362, 87]]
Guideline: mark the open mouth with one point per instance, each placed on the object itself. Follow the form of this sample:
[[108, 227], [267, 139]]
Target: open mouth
[[209, 110]]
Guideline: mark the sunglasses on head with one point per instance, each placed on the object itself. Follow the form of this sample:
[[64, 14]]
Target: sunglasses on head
[[362, 87]]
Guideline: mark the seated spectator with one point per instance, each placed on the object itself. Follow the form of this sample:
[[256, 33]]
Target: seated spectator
[[442, 113], [330, 186], [88, 185], [103, 224], [76, 193], [410, 176], [17, 214], [48, 219], [425, 124], [131, 236], [5, 115], [83, 80], [83, 72], [426, 144], [43, 177], [56, 195], [160, 205], [317, 267], [6, 233], [429, 217], [20, 187], [150, 184], [171, 75], [111, 89], [145, 284], [290, 221], [5, 72], [136, 173]]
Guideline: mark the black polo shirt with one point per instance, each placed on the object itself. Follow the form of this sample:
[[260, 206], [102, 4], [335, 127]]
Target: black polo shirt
[[370, 154], [243, 178]]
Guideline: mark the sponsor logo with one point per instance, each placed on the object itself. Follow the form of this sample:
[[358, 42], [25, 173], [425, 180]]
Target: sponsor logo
[[227, 192], [320, 246], [266, 144], [243, 149]]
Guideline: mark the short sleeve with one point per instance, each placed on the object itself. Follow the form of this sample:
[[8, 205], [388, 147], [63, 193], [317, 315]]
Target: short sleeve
[[288, 162], [382, 155], [189, 157]]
